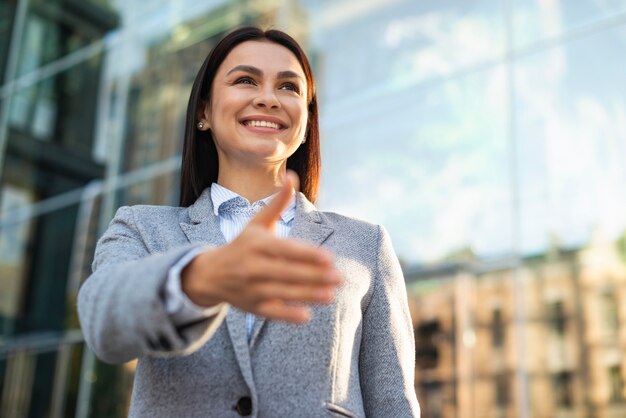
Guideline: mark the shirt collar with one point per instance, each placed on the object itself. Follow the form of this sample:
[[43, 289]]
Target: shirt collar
[[220, 194]]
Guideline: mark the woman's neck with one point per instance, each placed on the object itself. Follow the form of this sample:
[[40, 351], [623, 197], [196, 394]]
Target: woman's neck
[[252, 183]]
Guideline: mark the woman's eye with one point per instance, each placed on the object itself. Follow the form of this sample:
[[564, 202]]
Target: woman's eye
[[290, 86], [244, 80]]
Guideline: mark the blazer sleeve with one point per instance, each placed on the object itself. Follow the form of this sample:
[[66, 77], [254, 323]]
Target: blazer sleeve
[[121, 305], [387, 355]]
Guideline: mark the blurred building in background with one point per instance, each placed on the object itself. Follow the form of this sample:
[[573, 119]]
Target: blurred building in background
[[570, 348], [489, 137]]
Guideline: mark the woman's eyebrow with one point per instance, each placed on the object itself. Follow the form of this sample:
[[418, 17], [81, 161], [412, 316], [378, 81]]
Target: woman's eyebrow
[[256, 71], [288, 74], [246, 68]]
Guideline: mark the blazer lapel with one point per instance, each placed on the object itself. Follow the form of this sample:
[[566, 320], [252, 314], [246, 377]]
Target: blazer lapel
[[204, 228], [236, 324], [308, 226]]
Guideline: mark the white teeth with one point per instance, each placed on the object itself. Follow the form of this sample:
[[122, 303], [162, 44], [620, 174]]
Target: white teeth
[[262, 123]]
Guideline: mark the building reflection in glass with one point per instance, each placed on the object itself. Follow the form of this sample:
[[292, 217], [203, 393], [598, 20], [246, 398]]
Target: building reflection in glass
[[487, 136], [466, 350]]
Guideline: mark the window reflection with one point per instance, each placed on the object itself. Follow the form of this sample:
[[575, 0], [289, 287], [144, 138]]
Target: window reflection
[[571, 124], [610, 315], [511, 290], [557, 318], [40, 383], [54, 29], [426, 353], [564, 342], [430, 159], [379, 47], [497, 328], [562, 386], [57, 111], [616, 384], [7, 10], [538, 20], [14, 240]]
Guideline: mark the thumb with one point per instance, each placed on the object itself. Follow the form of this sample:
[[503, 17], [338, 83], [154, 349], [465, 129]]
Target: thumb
[[270, 214]]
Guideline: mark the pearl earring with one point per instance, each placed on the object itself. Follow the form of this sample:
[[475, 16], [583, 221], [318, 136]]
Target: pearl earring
[[200, 125]]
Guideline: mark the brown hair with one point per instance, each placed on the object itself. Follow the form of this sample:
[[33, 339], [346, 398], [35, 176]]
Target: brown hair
[[200, 163]]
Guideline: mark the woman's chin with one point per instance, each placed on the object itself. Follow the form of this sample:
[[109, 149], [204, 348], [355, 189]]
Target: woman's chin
[[258, 157], [269, 151]]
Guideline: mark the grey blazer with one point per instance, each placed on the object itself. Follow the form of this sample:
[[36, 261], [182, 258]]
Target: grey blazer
[[355, 358]]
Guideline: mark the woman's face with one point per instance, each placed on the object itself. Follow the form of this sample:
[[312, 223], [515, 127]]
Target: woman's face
[[258, 109]]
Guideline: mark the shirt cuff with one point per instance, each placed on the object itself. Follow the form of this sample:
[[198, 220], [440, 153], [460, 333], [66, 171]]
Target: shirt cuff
[[177, 304]]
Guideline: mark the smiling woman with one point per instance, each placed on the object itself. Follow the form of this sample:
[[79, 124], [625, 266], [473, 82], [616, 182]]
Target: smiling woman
[[200, 157], [257, 113], [265, 309]]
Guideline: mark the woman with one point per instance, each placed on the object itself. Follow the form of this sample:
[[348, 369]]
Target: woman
[[270, 309]]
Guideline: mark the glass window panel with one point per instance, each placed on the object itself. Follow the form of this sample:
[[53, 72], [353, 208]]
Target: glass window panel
[[14, 242], [40, 381], [616, 384], [610, 313], [497, 328], [35, 265], [537, 20], [68, 382], [106, 4], [111, 389], [571, 123], [86, 234], [51, 255], [152, 121], [549, 300], [373, 46], [59, 109], [34, 109], [159, 15], [53, 29], [50, 132], [415, 114], [468, 301], [168, 56], [40, 44], [566, 307], [429, 163], [76, 106], [562, 387], [162, 188], [7, 11], [156, 116], [18, 383]]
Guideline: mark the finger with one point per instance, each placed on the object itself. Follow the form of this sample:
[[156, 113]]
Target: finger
[[270, 214], [295, 250], [295, 273], [294, 293], [278, 310]]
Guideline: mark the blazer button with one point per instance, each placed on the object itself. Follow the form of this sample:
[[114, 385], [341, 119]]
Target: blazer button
[[244, 406]]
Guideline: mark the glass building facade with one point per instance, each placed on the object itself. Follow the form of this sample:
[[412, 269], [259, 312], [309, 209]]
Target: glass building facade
[[489, 137]]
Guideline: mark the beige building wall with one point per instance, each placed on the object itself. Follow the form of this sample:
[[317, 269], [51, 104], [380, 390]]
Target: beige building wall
[[572, 328]]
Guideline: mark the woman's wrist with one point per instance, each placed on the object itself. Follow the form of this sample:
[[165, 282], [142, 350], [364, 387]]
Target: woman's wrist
[[197, 282]]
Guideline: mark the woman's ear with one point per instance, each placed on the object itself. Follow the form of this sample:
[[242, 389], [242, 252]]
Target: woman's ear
[[203, 116]]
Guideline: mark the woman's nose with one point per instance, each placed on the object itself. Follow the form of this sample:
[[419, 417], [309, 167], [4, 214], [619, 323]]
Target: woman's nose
[[267, 98]]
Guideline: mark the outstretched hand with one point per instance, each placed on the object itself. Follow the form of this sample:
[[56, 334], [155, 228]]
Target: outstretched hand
[[262, 274]]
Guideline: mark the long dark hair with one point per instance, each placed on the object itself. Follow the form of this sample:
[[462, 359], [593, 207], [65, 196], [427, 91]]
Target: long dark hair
[[200, 162]]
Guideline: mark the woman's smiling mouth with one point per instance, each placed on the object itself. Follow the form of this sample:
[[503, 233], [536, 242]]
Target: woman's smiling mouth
[[264, 123]]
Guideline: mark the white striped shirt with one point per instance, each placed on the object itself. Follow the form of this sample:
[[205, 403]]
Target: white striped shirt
[[180, 308]]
